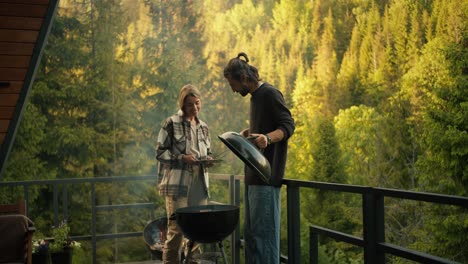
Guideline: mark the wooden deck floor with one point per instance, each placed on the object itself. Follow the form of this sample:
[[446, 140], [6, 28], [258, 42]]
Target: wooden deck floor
[[160, 262], [144, 262], [209, 258]]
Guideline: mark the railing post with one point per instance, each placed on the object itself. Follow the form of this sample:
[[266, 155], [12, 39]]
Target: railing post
[[313, 247], [93, 221], [380, 225], [26, 197], [65, 202], [373, 226], [294, 233], [56, 220], [234, 188]]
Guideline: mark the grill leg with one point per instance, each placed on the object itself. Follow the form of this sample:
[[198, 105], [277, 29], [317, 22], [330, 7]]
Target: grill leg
[[220, 244], [190, 246]]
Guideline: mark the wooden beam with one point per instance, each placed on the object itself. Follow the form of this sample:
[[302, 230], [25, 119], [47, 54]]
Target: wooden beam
[[12, 74], [14, 87], [16, 48], [8, 99], [24, 36], [22, 10], [6, 112], [8, 61], [35, 2], [4, 125], [31, 23]]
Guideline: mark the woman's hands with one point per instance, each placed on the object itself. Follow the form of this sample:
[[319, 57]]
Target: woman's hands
[[192, 160], [208, 163]]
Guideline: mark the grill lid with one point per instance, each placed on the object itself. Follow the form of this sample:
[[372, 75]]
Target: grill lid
[[248, 153]]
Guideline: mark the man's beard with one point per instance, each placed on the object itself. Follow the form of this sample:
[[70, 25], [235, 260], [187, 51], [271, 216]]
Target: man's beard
[[245, 90]]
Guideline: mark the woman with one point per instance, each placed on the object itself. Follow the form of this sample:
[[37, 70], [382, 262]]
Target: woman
[[183, 141]]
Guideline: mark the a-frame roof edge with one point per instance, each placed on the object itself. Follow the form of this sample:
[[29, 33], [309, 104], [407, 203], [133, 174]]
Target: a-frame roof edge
[[27, 84]]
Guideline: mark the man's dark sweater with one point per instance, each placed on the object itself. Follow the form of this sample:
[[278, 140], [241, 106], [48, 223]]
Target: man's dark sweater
[[268, 112]]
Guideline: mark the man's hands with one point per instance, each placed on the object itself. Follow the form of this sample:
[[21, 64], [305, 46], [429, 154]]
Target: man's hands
[[260, 140], [263, 140]]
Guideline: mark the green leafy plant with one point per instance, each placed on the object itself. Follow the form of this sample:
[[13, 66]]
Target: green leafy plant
[[61, 239]]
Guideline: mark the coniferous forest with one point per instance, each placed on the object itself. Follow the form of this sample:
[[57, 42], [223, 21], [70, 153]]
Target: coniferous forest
[[378, 90]]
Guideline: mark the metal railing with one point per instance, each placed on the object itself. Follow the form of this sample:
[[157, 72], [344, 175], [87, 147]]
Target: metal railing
[[234, 198], [373, 210]]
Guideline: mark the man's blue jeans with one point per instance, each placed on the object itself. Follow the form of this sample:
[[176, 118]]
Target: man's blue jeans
[[262, 224]]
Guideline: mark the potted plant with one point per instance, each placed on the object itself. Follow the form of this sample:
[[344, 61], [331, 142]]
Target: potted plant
[[40, 251], [61, 245]]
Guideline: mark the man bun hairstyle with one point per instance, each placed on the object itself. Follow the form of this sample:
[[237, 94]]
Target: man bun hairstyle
[[243, 54], [238, 67], [187, 90]]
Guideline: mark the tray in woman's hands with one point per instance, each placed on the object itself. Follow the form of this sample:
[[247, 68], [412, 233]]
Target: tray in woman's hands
[[207, 161]]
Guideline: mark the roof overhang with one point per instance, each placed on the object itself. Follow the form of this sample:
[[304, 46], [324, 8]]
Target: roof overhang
[[24, 28]]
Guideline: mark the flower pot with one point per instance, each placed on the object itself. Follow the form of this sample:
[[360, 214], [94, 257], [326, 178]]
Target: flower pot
[[62, 257], [39, 258]]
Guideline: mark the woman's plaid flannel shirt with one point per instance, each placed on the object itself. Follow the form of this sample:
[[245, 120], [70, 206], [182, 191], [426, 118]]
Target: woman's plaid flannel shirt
[[173, 142]]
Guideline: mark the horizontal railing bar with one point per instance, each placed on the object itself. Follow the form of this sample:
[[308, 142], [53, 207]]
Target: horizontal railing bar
[[124, 206], [343, 237], [219, 176], [105, 179], [425, 197], [80, 180], [420, 196], [411, 195], [105, 236], [116, 235], [412, 254], [328, 186], [119, 235], [81, 238]]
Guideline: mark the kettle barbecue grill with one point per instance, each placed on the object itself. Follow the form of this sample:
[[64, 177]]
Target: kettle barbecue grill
[[207, 224]]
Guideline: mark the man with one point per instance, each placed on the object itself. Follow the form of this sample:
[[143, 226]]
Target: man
[[271, 124]]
